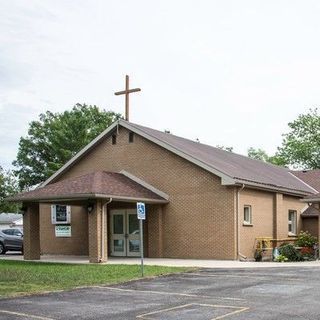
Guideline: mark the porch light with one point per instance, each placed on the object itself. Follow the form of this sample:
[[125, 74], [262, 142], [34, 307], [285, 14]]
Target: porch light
[[90, 207]]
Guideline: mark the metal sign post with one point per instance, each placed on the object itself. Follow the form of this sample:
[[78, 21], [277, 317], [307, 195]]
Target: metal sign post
[[141, 212]]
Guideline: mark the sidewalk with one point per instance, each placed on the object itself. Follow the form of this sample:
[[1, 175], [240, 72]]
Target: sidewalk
[[229, 264]]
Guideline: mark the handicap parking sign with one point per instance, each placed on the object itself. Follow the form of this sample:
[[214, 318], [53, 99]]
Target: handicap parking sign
[[141, 210]]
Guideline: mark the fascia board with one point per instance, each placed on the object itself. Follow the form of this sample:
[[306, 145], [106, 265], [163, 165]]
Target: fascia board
[[84, 196], [272, 188], [311, 200]]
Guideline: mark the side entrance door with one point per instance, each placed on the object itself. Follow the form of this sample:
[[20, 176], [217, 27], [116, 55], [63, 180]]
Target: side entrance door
[[125, 238]]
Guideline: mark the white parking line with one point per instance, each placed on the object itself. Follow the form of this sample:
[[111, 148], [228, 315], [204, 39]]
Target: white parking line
[[236, 310], [235, 276], [25, 315], [171, 293]]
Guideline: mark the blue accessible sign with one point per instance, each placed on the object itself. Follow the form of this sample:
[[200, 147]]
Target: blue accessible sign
[[141, 210]]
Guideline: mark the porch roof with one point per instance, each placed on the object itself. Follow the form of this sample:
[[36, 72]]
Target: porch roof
[[99, 184]]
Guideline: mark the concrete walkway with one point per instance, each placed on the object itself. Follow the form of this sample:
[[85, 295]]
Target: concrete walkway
[[169, 262]]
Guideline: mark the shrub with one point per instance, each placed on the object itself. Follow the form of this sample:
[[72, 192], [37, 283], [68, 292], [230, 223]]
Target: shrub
[[305, 239], [281, 258], [289, 251]]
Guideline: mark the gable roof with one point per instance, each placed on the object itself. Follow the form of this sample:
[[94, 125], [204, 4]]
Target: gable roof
[[311, 177], [99, 184], [232, 168]]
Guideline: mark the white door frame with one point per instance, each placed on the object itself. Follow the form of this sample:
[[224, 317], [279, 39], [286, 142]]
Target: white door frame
[[126, 237]]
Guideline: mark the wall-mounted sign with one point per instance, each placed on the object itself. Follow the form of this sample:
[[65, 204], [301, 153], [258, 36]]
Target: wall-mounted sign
[[60, 214], [63, 231]]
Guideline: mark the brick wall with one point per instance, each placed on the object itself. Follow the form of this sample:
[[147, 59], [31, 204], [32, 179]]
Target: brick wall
[[199, 220], [269, 217], [31, 242], [291, 203], [262, 218], [77, 244]]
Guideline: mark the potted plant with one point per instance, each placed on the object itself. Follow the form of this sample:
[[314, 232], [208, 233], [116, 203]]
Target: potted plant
[[258, 254]]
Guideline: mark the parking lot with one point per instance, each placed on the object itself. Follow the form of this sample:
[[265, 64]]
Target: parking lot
[[207, 294]]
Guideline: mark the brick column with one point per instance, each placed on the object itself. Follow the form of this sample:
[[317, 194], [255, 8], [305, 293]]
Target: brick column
[[160, 228], [155, 231], [31, 232], [94, 232], [278, 218]]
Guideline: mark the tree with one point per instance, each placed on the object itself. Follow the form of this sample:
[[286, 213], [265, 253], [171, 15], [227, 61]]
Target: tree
[[301, 145], [55, 138], [260, 154], [8, 187]]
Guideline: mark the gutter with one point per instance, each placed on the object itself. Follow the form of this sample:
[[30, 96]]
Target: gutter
[[85, 196]]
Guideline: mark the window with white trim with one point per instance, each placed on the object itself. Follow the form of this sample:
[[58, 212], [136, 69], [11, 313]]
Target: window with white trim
[[292, 222], [247, 215]]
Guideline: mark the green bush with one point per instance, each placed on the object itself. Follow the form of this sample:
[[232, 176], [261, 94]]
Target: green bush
[[305, 239], [289, 251], [281, 258]]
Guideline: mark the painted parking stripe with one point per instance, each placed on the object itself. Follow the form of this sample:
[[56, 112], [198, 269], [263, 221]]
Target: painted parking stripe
[[236, 310], [235, 276], [25, 315], [171, 293]]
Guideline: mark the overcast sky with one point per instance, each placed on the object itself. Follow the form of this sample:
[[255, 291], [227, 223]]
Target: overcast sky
[[230, 73]]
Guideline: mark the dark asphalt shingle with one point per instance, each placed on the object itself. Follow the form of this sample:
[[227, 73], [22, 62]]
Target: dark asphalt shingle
[[96, 183]]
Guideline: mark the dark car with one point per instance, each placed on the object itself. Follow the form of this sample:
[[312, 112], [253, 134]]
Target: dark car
[[11, 239]]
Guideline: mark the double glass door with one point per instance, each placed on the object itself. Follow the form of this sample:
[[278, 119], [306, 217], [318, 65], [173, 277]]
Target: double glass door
[[125, 237]]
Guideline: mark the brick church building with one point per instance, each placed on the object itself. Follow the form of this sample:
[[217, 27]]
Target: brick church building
[[202, 202]]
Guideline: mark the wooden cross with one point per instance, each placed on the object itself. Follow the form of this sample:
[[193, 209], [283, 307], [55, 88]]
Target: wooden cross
[[127, 91]]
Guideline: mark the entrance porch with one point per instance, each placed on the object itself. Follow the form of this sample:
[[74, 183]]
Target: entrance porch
[[92, 215]]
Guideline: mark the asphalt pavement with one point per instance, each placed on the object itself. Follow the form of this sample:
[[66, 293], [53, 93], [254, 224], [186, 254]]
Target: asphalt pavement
[[206, 294]]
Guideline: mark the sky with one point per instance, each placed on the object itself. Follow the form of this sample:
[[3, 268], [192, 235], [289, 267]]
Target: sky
[[230, 73]]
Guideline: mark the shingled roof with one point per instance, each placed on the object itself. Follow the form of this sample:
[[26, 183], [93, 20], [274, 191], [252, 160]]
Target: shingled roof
[[311, 177], [100, 184], [234, 169]]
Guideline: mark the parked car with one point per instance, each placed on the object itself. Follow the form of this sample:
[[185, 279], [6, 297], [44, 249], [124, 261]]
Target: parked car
[[11, 239]]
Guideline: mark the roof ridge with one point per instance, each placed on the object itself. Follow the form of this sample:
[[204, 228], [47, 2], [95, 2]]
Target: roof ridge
[[208, 145]]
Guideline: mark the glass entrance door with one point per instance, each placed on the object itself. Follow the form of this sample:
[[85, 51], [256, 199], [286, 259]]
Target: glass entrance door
[[118, 245], [125, 237], [133, 232]]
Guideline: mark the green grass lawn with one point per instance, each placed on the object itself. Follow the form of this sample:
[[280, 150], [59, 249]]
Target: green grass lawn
[[21, 277]]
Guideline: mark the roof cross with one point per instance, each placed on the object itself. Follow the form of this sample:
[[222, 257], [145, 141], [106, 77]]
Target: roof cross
[[126, 92]]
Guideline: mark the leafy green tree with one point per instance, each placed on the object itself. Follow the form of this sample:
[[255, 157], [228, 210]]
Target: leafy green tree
[[260, 154], [301, 145], [55, 138], [8, 187]]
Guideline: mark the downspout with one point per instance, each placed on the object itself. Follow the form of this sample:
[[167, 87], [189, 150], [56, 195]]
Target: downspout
[[239, 255], [103, 213]]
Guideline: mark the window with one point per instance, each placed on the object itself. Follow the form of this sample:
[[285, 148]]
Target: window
[[292, 222], [17, 232], [247, 215], [114, 139], [131, 135], [60, 214], [9, 232]]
